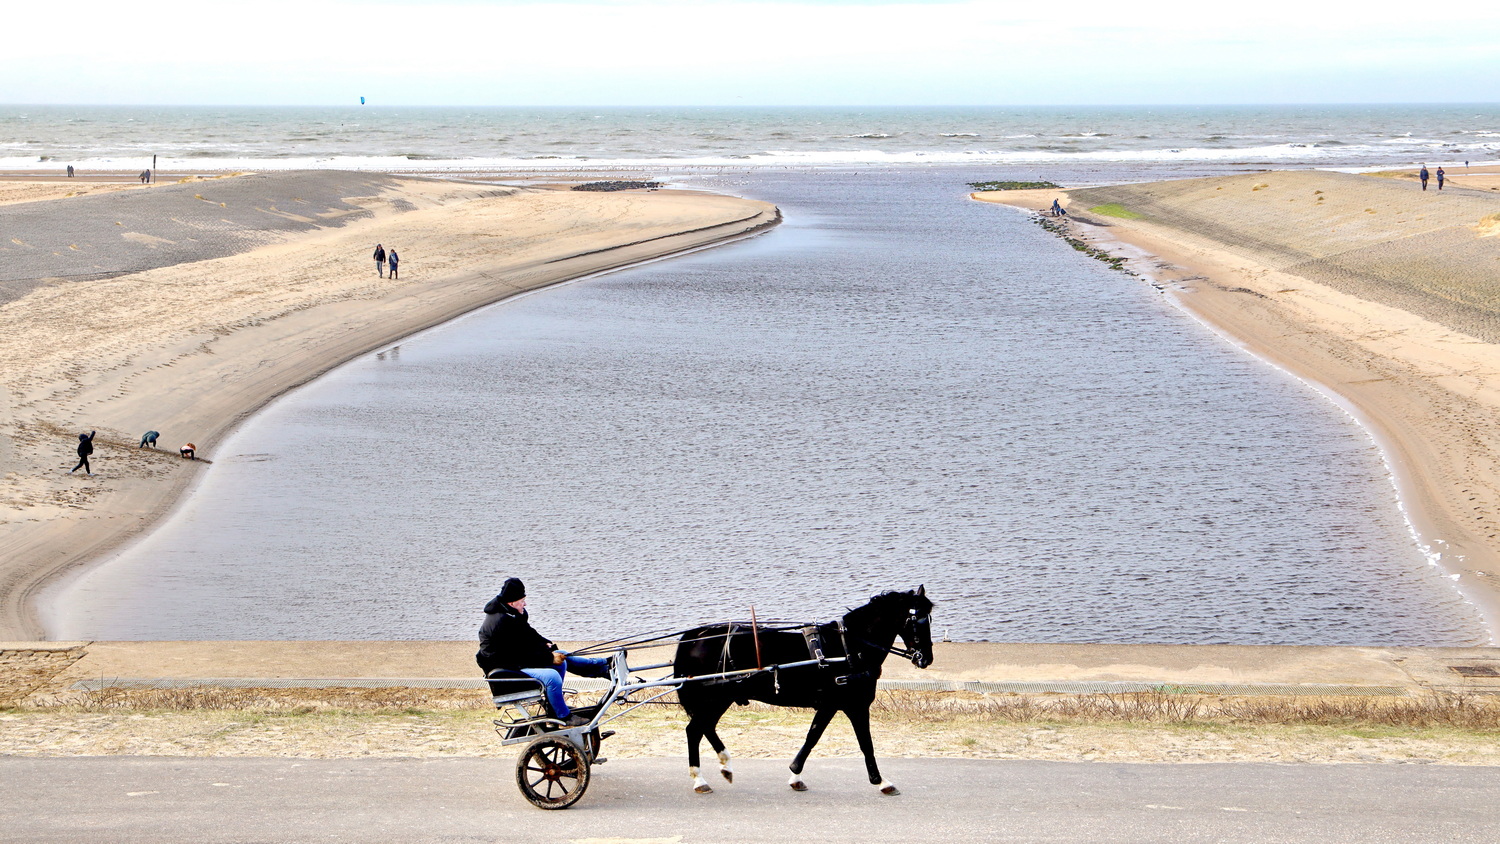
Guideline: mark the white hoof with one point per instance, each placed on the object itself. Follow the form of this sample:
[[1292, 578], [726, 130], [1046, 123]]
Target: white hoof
[[700, 785], [796, 783], [724, 766], [888, 788]]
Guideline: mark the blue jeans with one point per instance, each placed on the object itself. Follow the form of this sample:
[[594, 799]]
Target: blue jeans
[[552, 678]]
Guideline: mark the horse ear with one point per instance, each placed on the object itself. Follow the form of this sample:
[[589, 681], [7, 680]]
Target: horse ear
[[922, 590]]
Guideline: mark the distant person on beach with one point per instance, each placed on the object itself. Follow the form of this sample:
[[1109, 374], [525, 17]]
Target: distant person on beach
[[1441, 175], [1423, 176], [1057, 209], [380, 260], [85, 448], [507, 640], [70, 171], [149, 438], [395, 261], [189, 452]]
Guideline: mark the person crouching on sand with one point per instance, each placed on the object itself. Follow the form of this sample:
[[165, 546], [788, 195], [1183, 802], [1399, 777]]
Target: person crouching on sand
[[380, 259], [189, 452]]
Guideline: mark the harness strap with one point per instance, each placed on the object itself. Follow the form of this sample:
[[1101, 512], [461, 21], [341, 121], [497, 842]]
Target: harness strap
[[814, 639], [725, 660]]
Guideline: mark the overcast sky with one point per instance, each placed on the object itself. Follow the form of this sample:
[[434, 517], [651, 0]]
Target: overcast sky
[[735, 52]]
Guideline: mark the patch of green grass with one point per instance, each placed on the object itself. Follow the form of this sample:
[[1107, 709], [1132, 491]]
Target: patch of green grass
[[1114, 209], [1012, 185]]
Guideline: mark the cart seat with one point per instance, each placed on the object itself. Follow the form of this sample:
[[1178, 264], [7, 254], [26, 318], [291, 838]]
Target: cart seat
[[513, 687]]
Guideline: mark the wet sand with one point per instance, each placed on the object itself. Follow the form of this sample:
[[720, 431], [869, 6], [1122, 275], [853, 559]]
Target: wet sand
[[183, 308], [1383, 293]]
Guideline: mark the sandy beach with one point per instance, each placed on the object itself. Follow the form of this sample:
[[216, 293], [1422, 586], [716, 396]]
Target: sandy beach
[[184, 307], [1381, 292]]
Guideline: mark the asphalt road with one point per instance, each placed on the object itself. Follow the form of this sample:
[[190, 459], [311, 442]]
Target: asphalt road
[[127, 799]]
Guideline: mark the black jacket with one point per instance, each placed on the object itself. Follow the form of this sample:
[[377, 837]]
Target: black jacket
[[86, 445], [506, 640]]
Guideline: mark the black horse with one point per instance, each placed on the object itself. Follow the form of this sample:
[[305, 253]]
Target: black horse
[[865, 636]]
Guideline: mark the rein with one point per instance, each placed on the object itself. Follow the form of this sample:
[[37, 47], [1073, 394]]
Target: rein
[[904, 653]]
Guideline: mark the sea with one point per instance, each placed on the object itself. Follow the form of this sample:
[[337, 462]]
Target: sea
[[464, 139], [896, 386]]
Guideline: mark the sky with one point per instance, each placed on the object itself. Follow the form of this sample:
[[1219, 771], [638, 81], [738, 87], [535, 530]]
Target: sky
[[738, 52]]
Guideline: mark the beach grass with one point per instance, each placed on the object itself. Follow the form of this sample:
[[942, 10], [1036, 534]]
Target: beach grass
[[1159, 726], [1162, 706], [1114, 209]]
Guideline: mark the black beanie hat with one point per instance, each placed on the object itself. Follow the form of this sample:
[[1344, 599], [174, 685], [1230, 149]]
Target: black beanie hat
[[513, 590]]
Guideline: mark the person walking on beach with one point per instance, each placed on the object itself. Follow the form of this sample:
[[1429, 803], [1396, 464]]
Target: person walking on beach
[[1057, 209], [380, 260], [70, 171], [85, 448], [395, 261], [1441, 175], [1423, 176]]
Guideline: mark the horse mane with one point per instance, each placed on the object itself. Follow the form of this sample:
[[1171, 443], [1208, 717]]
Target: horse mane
[[892, 598]]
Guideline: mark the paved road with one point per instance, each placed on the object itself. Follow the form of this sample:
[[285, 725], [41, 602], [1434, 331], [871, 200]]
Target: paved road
[[124, 799]]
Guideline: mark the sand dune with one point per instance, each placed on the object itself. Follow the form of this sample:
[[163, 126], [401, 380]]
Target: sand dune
[[183, 315], [1385, 293]]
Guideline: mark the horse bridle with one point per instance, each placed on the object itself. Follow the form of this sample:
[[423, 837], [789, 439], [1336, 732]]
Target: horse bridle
[[910, 626]]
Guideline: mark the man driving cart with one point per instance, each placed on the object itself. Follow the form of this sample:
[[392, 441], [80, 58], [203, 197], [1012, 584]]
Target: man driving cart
[[507, 640]]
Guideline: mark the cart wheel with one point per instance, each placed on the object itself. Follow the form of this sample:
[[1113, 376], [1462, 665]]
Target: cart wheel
[[552, 773]]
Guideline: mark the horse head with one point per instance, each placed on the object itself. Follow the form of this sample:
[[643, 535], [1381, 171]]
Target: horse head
[[916, 628], [908, 615]]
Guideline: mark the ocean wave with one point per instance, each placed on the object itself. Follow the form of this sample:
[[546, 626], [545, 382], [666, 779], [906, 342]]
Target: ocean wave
[[1323, 154], [958, 135]]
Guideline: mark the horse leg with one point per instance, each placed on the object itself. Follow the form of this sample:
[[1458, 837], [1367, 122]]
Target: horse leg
[[702, 719], [711, 731], [819, 724], [859, 718], [694, 738], [718, 745]]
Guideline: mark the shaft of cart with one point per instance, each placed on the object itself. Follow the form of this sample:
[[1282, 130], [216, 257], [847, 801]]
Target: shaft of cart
[[626, 681]]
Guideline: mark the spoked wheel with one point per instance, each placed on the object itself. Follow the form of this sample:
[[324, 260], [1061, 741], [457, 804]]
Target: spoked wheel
[[552, 773]]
